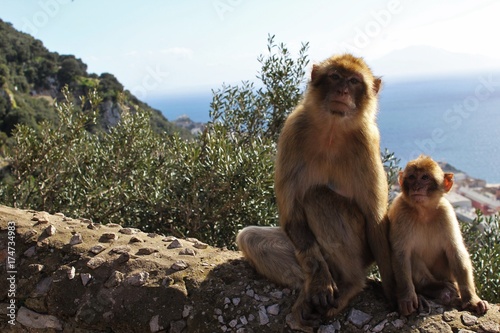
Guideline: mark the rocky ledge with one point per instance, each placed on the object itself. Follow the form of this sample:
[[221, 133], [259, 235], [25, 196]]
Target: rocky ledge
[[70, 275]]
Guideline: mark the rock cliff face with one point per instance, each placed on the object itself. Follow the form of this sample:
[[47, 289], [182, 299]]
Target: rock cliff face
[[69, 275]]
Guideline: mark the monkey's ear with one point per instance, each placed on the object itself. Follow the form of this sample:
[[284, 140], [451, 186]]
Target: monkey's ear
[[377, 83], [314, 72], [448, 181], [400, 178]]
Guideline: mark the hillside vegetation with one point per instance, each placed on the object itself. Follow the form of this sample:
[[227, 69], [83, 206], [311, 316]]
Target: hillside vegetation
[[31, 80]]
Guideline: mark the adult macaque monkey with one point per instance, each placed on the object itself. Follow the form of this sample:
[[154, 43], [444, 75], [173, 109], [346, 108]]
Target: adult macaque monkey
[[429, 255], [332, 194]]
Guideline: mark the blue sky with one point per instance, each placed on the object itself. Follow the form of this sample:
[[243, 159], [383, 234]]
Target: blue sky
[[163, 47]]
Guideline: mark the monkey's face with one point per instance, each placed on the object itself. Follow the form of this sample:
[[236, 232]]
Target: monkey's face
[[345, 91], [419, 185], [423, 181], [341, 90]]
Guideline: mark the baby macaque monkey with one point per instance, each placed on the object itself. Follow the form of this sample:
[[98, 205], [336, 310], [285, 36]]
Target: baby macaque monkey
[[429, 257]]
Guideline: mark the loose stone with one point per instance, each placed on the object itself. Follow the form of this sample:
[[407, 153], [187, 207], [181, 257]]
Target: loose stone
[[448, 316], [179, 265], [169, 239], [263, 318], [175, 244], [380, 326], [146, 251], [177, 326], [76, 239], [85, 277], [71, 273], [137, 279], [36, 320], [327, 329], [398, 323], [35, 268], [123, 258], [96, 249], [120, 249], [30, 252], [114, 279], [135, 239], [154, 324], [200, 245], [187, 311], [358, 318], [490, 327], [93, 226], [41, 217], [95, 262], [469, 319], [28, 235], [43, 287], [277, 294], [50, 230], [128, 231], [273, 309], [187, 252], [109, 236]]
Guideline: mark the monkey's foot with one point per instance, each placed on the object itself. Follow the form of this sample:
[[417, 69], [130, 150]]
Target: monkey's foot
[[424, 308]]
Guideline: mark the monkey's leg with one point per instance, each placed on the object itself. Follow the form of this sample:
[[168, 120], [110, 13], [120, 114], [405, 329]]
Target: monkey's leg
[[440, 289], [339, 227], [271, 252]]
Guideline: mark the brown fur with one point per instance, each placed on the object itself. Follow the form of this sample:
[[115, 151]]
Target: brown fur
[[331, 190], [429, 255]]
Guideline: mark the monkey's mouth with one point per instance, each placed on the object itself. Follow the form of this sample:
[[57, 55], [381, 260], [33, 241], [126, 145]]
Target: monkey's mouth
[[419, 197], [338, 113], [340, 108]]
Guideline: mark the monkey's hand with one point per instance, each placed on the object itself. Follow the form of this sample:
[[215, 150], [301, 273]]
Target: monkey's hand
[[322, 293], [476, 304], [408, 303], [314, 301]]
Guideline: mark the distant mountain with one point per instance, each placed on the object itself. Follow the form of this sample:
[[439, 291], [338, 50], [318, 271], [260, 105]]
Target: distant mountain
[[185, 122], [31, 79], [425, 61]]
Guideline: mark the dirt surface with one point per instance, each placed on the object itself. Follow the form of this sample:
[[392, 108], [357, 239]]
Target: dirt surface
[[69, 275]]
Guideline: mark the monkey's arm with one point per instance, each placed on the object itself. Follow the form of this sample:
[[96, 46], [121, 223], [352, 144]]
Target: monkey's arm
[[407, 297], [291, 184], [461, 267], [319, 287]]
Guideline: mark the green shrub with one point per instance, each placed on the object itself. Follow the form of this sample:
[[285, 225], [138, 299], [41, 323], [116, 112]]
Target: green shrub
[[482, 237]]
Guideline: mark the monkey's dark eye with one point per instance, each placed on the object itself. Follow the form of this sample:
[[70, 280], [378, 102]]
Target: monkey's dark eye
[[425, 177], [335, 76], [412, 177], [354, 81]]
